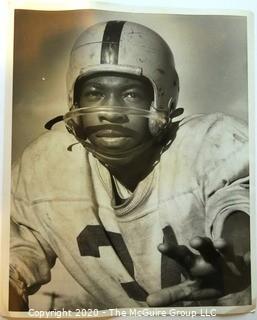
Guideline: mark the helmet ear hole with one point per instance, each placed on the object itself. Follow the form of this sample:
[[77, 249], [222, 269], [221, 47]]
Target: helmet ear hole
[[156, 126]]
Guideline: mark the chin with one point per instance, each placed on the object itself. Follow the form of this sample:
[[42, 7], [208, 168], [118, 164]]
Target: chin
[[124, 157], [116, 162]]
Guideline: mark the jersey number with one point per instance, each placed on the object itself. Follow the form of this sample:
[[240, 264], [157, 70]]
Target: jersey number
[[95, 236]]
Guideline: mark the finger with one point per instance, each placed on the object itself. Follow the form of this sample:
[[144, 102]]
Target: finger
[[220, 244], [230, 261], [224, 248], [179, 253], [206, 248], [206, 294], [170, 295], [189, 290]]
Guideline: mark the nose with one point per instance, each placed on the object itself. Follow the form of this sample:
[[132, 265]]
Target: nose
[[111, 115]]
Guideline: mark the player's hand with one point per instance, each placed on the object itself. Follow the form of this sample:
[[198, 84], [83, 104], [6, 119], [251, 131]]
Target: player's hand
[[213, 273], [16, 301]]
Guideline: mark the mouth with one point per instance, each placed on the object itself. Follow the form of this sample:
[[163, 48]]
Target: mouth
[[110, 133], [111, 142], [113, 138]]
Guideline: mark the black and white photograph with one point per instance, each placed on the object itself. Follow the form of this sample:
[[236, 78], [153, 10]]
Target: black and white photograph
[[130, 161]]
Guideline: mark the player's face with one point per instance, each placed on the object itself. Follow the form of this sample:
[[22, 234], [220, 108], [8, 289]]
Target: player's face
[[116, 131]]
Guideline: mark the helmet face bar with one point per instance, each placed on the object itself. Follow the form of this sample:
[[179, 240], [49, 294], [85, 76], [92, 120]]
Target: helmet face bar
[[79, 120]]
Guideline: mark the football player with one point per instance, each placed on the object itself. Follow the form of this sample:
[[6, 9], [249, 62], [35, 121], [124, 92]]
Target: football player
[[145, 210]]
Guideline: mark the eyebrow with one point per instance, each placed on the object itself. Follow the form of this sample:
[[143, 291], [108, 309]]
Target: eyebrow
[[93, 84], [124, 87], [137, 86]]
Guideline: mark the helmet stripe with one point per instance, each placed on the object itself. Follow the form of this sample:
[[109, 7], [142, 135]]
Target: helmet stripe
[[111, 41]]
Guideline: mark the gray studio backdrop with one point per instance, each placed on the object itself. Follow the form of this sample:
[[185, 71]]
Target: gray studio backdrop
[[211, 59]]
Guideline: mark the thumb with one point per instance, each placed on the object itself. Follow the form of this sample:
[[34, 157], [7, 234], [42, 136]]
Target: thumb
[[170, 295]]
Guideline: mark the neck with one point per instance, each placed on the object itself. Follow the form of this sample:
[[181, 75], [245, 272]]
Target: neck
[[136, 168], [130, 174]]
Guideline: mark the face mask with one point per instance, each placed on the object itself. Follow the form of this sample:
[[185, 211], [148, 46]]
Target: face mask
[[79, 123]]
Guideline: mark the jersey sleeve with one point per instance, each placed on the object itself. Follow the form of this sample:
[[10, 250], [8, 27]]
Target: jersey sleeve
[[225, 172], [31, 257]]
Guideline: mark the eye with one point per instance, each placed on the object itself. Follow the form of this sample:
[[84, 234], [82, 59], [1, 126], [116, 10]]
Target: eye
[[91, 95], [132, 95]]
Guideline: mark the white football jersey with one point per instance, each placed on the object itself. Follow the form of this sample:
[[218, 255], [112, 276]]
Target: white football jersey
[[63, 206]]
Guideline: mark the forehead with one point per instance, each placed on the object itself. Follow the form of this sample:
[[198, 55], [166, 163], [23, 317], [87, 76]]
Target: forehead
[[116, 81]]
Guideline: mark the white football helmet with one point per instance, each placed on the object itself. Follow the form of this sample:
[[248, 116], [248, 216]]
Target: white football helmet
[[124, 48]]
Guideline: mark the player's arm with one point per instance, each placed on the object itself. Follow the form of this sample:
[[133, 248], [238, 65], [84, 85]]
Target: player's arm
[[31, 259], [221, 268]]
